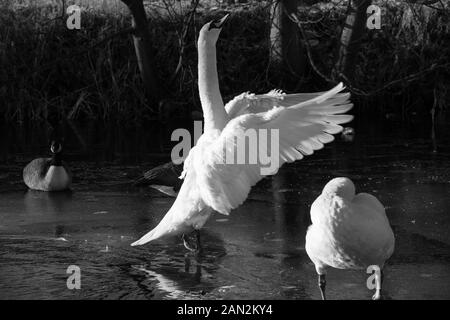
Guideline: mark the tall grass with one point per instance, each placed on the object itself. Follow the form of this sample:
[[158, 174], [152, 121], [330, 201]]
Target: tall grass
[[47, 70]]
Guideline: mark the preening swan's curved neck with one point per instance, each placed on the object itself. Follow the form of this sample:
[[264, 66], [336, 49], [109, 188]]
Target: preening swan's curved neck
[[214, 112]]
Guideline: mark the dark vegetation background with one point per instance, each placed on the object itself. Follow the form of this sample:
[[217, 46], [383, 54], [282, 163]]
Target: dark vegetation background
[[402, 70]]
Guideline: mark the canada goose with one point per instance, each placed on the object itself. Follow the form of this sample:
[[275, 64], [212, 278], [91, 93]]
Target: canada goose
[[304, 122], [348, 231], [48, 174]]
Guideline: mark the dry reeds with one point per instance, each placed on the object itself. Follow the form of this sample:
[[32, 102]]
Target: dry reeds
[[91, 73]]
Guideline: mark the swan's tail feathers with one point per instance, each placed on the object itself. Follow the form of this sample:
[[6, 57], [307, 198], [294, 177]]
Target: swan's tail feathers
[[165, 227], [152, 235], [161, 230]]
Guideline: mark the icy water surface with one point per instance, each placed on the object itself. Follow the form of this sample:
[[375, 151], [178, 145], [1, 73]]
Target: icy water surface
[[255, 253]]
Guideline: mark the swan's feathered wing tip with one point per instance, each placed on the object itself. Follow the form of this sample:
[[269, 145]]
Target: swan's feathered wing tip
[[338, 88]]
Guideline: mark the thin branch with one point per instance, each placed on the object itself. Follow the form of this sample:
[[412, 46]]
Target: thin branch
[[182, 40], [295, 19], [408, 78]]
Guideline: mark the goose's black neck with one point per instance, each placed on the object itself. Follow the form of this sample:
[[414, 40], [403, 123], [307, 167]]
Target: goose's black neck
[[56, 159]]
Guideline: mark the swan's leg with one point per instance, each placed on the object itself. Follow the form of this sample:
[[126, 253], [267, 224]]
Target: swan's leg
[[198, 269], [379, 282], [187, 263], [199, 244], [322, 284]]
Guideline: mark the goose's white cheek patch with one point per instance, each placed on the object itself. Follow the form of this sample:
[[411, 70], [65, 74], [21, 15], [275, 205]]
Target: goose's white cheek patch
[[57, 178]]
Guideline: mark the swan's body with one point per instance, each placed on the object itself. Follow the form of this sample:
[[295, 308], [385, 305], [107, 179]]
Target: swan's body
[[48, 174], [348, 231], [305, 122]]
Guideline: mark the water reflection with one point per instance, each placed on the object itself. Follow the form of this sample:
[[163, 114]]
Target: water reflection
[[255, 253], [46, 203], [170, 272]]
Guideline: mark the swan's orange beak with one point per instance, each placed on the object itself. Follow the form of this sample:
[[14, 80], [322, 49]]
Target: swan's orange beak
[[218, 22]]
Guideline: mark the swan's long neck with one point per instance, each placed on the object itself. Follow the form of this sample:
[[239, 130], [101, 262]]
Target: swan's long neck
[[214, 112]]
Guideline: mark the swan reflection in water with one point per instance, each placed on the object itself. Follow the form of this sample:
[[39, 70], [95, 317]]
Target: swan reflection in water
[[177, 275]]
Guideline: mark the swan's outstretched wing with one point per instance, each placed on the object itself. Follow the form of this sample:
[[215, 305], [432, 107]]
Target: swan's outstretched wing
[[302, 128], [252, 103]]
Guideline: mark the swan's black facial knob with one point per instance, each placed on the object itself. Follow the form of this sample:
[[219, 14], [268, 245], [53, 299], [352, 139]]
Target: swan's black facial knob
[[218, 23], [55, 147]]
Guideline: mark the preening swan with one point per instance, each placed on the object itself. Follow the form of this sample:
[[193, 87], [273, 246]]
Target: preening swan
[[303, 122], [348, 231], [48, 174]]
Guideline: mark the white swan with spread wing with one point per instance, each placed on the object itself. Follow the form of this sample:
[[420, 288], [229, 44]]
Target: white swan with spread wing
[[305, 122]]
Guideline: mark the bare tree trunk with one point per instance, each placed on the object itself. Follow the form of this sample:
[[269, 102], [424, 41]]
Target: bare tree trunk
[[286, 48], [143, 48], [353, 30]]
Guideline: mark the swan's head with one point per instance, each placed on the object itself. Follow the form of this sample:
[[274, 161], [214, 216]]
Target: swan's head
[[55, 147], [209, 33], [342, 187]]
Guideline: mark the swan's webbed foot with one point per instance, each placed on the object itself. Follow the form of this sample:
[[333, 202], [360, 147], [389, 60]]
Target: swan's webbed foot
[[187, 263], [379, 281], [377, 295], [197, 249], [199, 244]]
